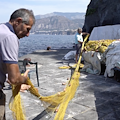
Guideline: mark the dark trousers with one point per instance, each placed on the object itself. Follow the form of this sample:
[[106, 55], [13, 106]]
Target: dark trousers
[[2, 105]]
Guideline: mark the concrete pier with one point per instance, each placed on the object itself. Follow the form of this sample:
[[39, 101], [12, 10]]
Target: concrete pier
[[97, 97]]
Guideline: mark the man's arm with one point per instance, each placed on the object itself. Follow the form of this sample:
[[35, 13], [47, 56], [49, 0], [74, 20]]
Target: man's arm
[[14, 74], [85, 33], [80, 41]]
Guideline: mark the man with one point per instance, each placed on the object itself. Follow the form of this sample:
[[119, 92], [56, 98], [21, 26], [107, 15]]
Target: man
[[18, 27], [78, 42]]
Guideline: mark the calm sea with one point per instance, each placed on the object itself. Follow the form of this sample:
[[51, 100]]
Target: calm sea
[[41, 42]]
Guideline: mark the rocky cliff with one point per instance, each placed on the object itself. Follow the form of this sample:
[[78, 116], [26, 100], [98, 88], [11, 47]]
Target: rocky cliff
[[101, 13]]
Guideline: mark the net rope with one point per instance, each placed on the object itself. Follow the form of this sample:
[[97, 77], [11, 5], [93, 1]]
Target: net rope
[[58, 101]]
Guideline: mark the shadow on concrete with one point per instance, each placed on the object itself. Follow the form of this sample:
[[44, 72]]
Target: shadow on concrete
[[107, 97], [7, 87], [56, 54], [42, 116]]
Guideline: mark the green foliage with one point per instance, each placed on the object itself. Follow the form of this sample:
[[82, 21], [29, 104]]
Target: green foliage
[[90, 11]]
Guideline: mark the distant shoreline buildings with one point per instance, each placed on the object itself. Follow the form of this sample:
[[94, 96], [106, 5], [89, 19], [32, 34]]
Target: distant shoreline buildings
[[56, 32]]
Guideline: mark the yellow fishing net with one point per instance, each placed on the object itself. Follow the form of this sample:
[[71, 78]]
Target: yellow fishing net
[[98, 45], [60, 100], [51, 103], [15, 104], [73, 66]]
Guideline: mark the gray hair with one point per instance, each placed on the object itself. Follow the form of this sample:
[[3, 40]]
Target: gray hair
[[25, 14], [79, 29]]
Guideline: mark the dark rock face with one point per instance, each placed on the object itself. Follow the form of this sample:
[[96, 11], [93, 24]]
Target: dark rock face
[[101, 13]]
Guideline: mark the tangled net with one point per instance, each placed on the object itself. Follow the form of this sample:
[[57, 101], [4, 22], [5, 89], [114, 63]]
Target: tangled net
[[51, 103], [98, 45], [59, 100]]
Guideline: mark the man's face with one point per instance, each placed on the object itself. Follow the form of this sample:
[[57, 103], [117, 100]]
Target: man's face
[[79, 31], [21, 29]]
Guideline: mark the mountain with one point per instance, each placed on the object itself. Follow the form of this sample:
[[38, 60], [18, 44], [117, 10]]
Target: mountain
[[58, 23], [71, 16]]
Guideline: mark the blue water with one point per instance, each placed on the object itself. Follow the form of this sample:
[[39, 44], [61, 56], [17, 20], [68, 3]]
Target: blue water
[[41, 42]]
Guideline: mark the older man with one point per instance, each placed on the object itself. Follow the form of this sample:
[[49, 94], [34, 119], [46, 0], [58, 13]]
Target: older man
[[18, 27], [79, 41]]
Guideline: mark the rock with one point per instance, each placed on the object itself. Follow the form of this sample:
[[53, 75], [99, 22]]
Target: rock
[[101, 13]]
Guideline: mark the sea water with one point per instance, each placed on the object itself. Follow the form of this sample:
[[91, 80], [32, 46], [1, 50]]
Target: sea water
[[41, 42]]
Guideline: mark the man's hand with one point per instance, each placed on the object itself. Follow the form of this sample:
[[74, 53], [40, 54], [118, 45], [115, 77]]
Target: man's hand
[[24, 87], [26, 73]]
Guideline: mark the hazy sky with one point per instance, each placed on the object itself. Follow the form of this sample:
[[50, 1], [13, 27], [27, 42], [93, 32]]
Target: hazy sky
[[41, 7]]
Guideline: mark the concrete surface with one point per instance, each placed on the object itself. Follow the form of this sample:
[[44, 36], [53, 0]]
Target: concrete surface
[[97, 98]]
